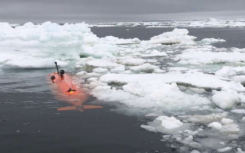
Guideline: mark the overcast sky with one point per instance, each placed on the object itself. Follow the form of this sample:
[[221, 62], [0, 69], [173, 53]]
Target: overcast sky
[[17, 11]]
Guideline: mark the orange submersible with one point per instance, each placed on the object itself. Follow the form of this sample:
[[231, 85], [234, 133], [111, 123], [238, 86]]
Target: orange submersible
[[65, 90]]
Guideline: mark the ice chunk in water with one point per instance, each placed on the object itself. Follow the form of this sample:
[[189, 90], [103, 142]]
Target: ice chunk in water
[[215, 125], [225, 100]]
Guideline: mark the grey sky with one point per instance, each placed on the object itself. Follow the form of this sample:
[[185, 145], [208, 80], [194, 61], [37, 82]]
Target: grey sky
[[117, 10]]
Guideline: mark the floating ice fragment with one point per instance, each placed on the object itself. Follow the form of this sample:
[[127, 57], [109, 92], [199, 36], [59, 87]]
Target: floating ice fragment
[[238, 111], [101, 63], [132, 61], [226, 121], [147, 68], [195, 151], [224, 149], [239, 150], [175, 37], [118, 69], [188, 79], [208, 57], [100, 70], [215, 125], [226, 100], [169, 122], [230, 71], [212, 40]]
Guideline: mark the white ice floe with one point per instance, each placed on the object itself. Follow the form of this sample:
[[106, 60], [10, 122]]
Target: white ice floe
[[155, 53], [239, 150], [99, 50], [118, 41], [165, 124], [240, 79], [195, 151], [205, 119], [40, 42], [151, 95], [238, 111], [193, 56], [226, 100], [132, 61], [208, 23], [226, 121], [118, 69], [146, 68], [189, 79], [212, 40], [224, 149], [230, 71], [101, 63], [100, 70], [215, 125], [177, 36], [32, 63]]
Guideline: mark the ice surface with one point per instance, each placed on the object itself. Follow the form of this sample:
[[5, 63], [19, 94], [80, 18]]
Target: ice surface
[[238, 111], [226, 100], [40, 43], [208, 23], [226, 121], [230, 71], [224, 149], [192, 56], [205, 119], [101, 63], [151, 95], [165, 124], [189, 79], [212, 40], [169, 122], [215, 125], [147, 68], [177, 36]]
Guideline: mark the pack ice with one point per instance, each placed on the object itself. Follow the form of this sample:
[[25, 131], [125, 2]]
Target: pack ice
[[190, 91]]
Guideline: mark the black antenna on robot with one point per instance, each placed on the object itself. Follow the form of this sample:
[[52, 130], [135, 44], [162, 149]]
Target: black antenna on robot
[[56, 67]]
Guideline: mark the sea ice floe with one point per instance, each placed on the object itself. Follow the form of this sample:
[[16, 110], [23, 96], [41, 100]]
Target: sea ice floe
[[226, 100], [32, 63], [40, 42], [208, 23], [205, 119], [131, 61], [230, 71], [225, 149], [165, 124], [100, 70], [146, 68], [151, 95], [188, 79], [212, 41], [208, 57], [101, 63], [238, 111], [155, 53], [215, 125], [177, 36], [226, 121]]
